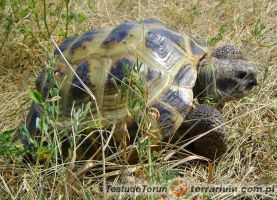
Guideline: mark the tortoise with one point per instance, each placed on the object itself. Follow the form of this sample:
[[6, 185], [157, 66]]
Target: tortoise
[[176, 68]]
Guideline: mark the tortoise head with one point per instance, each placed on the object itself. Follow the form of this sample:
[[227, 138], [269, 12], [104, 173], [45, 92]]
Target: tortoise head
[[225, 75]]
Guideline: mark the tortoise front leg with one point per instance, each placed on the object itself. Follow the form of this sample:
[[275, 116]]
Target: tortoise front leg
[[200, 120]]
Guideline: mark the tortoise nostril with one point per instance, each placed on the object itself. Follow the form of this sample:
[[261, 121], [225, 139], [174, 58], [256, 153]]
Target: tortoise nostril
[[241, 74]]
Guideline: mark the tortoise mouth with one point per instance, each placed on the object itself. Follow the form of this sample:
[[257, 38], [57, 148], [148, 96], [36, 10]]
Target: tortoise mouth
[[231, 89], [234, 89], [249, 86], [226, 85]]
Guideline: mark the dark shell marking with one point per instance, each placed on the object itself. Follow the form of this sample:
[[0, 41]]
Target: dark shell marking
[[150, 75], [185, 77], [165, 120], [119, 33], [169, 35], [43, 82], [34, 114], [153, 74], [64, 45], [77, 89], [164, 48], [117, 72], [86, 37], [176, 100]]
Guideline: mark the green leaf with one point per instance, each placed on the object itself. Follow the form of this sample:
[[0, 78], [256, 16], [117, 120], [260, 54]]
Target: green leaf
[[258, 30], [29, 144], [81, 18], [7, 145], [213, 40], [35, 96]]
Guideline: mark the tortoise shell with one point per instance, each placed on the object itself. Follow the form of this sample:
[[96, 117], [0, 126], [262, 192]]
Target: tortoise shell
[[169, 68]]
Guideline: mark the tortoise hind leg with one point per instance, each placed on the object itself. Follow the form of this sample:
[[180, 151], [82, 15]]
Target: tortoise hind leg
[[200, 120]]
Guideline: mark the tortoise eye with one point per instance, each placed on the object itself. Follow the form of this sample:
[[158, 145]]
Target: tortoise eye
[[241, 74]]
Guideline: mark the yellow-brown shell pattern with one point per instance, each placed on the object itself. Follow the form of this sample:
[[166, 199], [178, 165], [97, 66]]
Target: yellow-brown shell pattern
[[169, 65]]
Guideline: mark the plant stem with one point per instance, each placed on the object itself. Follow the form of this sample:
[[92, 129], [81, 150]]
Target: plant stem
[[67, 17], [45, 19]]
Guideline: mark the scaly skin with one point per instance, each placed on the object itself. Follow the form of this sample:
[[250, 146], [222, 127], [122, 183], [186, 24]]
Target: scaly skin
[[200, 120]]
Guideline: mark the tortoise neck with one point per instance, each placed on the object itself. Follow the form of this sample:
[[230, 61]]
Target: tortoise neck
[[205, 85]]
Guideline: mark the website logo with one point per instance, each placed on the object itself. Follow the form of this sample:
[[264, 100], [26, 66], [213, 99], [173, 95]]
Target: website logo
[[178, 188]]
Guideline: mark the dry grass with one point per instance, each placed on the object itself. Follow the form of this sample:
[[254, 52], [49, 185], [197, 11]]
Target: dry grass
[[250, 25]]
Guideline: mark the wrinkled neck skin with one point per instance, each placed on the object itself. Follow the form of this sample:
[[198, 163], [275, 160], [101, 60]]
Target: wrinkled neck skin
[[205, 75], [205, 85]]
